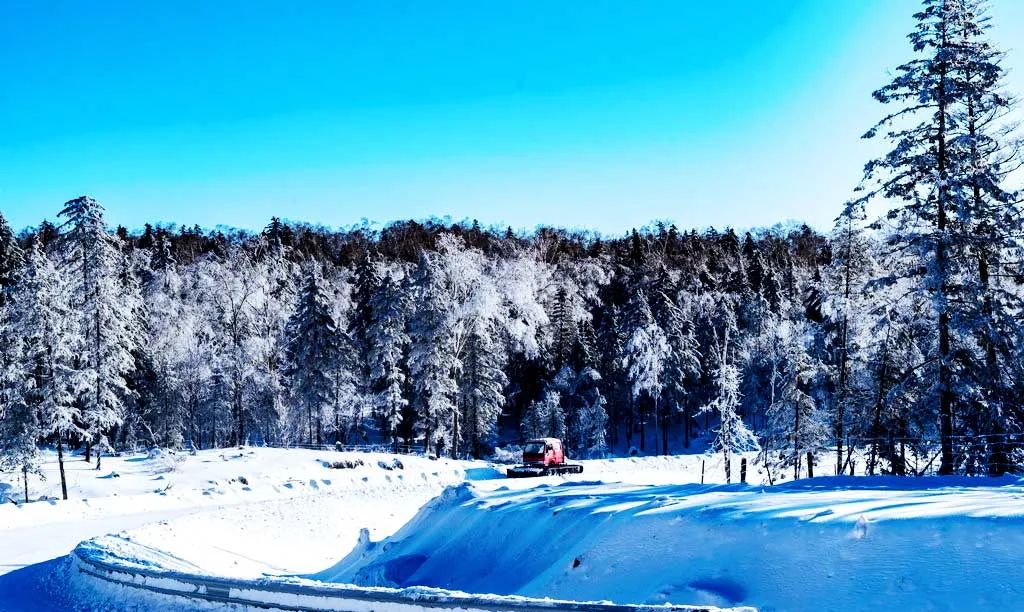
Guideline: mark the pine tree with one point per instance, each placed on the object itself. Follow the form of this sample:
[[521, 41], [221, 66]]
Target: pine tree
[[545, 417], [314, 348], [481, 388], [19, 422], [682, 363], [564, 328], [46, 327], [993, 222], [586, 418], [432, 358], [104, 336], [645, 356], [388, 342], [851, 267], [918, 174], [19, 434], [11, 260]]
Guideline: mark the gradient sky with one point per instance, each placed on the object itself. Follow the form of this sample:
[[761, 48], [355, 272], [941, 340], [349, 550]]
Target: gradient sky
[[584, 113]]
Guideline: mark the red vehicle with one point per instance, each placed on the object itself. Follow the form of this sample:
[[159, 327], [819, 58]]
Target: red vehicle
[[543, 457]]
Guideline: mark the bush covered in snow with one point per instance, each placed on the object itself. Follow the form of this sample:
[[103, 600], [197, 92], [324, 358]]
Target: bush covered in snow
[[344, 464]]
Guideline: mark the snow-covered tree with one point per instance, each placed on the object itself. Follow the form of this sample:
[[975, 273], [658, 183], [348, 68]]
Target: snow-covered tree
[[47, 330], [231, 288], [993, 224], [682, 363], [849, 310], [931, 171], [645, 356], [732, 435], [314, 348], [545, 418], [586, 417], [105, 336], [388, 342], [11, 259], [797, 425], [433, 361], [19, 434], [19, 420], [481, 387]]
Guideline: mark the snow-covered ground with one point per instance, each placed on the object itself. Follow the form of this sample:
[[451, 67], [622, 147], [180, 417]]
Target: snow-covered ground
[[292, 513], [824, 544], [632, 530]]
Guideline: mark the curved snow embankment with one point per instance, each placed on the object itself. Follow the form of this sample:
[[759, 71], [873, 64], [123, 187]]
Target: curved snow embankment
[[95, 560], [291, 536], [824, 544]]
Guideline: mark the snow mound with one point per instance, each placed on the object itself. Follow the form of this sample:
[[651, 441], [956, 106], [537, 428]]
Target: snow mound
[[827, 544]]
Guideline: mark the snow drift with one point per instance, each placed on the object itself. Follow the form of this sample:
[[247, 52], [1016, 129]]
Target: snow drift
[[823, 544]]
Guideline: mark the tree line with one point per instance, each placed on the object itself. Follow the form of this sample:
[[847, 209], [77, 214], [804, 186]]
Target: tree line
[[884, 337]]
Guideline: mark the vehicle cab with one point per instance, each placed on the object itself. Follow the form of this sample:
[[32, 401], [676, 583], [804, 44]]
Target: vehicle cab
[[544, 451]]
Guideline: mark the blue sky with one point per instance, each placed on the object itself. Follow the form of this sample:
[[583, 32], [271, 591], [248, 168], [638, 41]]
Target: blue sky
[[592, 114]]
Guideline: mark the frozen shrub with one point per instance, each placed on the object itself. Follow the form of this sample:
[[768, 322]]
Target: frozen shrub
[[395, 464], [344, 464]]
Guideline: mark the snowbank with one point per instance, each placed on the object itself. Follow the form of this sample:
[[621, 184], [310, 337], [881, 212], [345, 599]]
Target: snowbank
[[102, 564], [248, 495], [824, 544]]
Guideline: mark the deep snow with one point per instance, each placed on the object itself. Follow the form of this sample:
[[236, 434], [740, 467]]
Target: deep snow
[[628, 530], [824, 544], [292, 514]]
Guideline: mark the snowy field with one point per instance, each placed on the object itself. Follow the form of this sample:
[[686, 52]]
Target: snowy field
[[632, 530]]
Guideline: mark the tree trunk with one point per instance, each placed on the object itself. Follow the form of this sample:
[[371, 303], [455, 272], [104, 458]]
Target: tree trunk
[[643, 429], [844, 337], [664, 431], [455, 434], [998, 462], [686, 423], [796, 442], [24, 475], [60, 464], [942, 270]]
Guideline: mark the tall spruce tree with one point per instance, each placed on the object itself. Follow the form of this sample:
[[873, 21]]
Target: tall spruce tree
[[993, 224], [388, 343], [105, 337], [11, 259], [314, 347], [918, 174]]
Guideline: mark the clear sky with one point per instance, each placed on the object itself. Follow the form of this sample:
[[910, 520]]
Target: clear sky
[[578, 113]]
